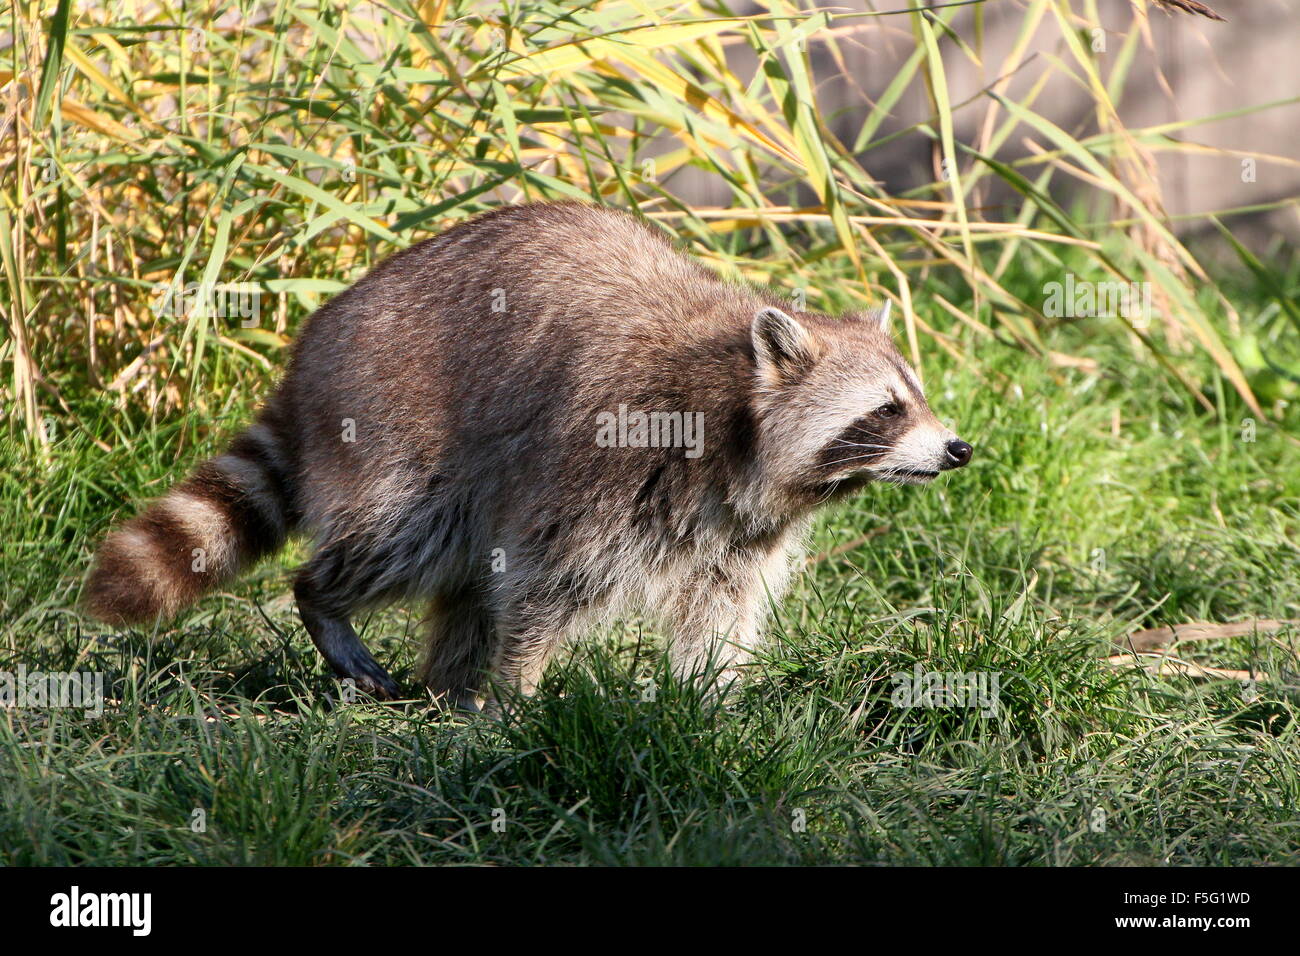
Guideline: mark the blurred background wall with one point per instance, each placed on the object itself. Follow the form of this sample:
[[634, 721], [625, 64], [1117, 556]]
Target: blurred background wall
[[1186, 67]]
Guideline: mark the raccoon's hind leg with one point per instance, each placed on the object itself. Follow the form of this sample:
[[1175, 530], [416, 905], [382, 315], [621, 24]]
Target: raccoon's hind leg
[[327, 622], [461, 634]]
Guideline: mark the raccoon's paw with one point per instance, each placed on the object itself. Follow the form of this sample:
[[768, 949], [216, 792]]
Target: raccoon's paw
[[380, 686], [467, 704], [371, 678]]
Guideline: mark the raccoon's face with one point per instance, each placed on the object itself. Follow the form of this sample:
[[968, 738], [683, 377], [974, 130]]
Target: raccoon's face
[[839, 407]]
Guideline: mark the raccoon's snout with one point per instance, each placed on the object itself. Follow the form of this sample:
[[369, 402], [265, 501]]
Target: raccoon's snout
[[958, 454]]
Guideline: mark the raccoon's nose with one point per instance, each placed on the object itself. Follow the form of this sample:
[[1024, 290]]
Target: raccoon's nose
[[958, 453]]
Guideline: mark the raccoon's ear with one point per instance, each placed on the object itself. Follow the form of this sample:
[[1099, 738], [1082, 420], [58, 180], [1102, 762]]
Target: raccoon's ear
[[783, 348], [881, 316]]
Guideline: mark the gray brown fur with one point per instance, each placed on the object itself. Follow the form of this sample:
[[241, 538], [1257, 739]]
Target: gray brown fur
[[475, 439]]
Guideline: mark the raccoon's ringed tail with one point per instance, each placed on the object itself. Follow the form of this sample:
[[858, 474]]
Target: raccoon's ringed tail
[[230, 512]]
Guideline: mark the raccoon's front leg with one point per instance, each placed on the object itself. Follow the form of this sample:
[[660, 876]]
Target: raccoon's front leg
[[338, 643], [717, 621], [711, 637]]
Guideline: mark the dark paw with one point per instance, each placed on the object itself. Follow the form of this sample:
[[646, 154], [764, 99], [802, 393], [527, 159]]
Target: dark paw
[[372, 679]]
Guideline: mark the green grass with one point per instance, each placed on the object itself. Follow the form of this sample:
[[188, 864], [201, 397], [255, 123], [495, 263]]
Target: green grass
[[1062, 534]]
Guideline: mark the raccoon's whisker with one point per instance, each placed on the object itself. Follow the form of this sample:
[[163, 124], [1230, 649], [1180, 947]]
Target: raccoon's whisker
[[826, 495], [858, 444], [851, 458]]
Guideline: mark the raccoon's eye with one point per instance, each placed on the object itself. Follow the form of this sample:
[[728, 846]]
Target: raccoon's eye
[[889, 410]]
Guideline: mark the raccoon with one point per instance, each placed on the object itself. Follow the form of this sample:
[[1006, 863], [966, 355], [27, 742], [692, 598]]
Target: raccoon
[[539, 420]]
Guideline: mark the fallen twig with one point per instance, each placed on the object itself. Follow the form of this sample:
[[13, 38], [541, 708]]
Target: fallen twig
[[845, 548], [1152, 638], [1164, 664]]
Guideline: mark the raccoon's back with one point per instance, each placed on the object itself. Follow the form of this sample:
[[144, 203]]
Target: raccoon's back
[[505, 331], [563, 275]]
